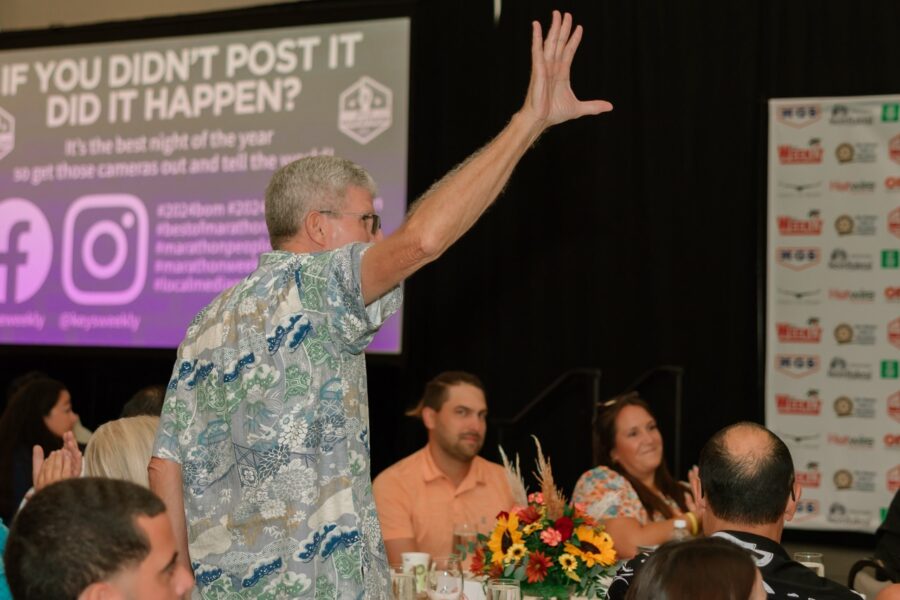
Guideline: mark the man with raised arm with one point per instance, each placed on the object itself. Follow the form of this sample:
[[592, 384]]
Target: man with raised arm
[[263, 442]]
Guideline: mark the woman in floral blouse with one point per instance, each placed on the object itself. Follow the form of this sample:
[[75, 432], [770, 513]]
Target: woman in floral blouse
[[632, 491]]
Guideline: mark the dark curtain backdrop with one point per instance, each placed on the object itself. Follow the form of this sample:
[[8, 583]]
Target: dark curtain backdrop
[[622, 242]]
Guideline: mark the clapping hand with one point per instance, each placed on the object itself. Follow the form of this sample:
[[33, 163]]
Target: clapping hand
[[64, 463]]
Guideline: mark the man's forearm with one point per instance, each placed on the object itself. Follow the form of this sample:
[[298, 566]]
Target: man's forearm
[[449, 209], [166, 482]]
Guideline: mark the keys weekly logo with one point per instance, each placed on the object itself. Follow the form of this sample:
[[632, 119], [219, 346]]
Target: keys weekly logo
[[799, 155], [26, 250]]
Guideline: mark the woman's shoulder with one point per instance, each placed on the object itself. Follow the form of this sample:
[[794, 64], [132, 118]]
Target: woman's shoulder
[[603, 476]]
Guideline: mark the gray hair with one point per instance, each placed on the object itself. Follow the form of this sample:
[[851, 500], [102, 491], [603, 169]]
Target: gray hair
[[307, 184]]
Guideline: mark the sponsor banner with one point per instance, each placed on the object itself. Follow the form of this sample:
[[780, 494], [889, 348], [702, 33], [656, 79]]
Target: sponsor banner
[[832, 330]]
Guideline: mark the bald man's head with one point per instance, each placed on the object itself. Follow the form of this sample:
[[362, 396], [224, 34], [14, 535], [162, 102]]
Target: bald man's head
[[747, 474]]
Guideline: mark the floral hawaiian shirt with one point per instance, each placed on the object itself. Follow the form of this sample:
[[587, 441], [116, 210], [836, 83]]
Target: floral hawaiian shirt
[[609, 495], [267, 414]]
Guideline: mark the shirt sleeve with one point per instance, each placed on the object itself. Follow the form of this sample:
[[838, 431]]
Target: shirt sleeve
[[353, 323], [393, 508], [608, 495], [172, 420]]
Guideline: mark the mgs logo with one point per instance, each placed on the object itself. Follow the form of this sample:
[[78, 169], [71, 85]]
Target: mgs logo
[[797, 365], [798, 258], [799, 115], [806, 510]]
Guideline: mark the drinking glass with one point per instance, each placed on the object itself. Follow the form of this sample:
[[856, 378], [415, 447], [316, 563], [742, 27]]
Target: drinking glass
[[445, 579], [503, 589], [813, 560], [403, 585]]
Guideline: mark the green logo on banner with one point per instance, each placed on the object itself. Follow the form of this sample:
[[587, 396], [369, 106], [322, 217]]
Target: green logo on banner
[[890, 113], [883, 511], [890, 259], [890, 369]]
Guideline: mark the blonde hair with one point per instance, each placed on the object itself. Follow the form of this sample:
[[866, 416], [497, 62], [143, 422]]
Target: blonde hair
[[121, 449]]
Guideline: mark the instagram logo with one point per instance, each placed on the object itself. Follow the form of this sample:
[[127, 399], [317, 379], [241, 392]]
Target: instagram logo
[[104, 252], [26, 250]]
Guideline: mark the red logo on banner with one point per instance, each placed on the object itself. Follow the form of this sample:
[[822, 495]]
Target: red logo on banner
[[893, 332], [892, 294], [894, 148], [893, 406], [788, 333], [893, 479], [798, 259], [792, 226], [891, 440], [797, 155], [893, 221], [809, 479], [892, 183], [789, 405]]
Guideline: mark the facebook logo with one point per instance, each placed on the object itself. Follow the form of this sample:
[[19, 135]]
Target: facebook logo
[[26, 250]]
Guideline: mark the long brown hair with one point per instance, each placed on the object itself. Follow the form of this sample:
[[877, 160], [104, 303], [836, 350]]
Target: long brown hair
[[606, 432], [22, 426]]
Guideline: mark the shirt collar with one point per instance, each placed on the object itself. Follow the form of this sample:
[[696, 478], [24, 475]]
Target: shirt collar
[[431, 472]]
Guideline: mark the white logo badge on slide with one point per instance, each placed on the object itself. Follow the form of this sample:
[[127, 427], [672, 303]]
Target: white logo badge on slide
[[365, 110], [7, 133]]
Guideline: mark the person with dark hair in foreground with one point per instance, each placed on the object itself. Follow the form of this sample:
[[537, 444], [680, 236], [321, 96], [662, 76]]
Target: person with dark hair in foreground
[[746, 491], [632, 491], [701, 569], [421, 497], [263, 443], [91, 538]]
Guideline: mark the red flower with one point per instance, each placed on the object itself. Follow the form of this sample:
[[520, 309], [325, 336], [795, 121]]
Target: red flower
[[496, 571], [564, 526], [529, 515], [536, 569], [477, 565], [503, 514]]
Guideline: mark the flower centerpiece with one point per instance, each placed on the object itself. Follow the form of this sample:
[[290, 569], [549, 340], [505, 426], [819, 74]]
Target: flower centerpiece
[[555, 549]]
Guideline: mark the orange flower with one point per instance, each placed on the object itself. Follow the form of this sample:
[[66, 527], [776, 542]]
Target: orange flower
[[477, 564], [536, 569]]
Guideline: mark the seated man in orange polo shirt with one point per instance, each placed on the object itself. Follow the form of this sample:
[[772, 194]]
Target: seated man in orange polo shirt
[[422, 497]]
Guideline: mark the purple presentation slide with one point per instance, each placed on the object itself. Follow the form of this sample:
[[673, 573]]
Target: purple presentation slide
[[132, 173]]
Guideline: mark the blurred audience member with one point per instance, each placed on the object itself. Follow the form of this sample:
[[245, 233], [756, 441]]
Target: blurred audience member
[[38, 414], [145, 401], [420, 498], [702, 569], [82, 433], [121, 449], [92, 538], [746, 491], [632, 491]]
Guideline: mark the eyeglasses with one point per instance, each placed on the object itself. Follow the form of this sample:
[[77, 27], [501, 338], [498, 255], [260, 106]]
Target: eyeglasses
[[374, 217]]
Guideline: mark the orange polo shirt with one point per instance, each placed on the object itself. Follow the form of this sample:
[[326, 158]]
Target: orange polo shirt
[[416, 500]]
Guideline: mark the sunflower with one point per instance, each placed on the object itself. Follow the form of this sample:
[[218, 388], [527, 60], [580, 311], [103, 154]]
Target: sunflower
[[532, 527], [569, 564], [593, 547], [505, 534], [515, 553]]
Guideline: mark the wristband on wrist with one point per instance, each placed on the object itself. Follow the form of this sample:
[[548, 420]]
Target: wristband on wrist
[[692, 519]]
